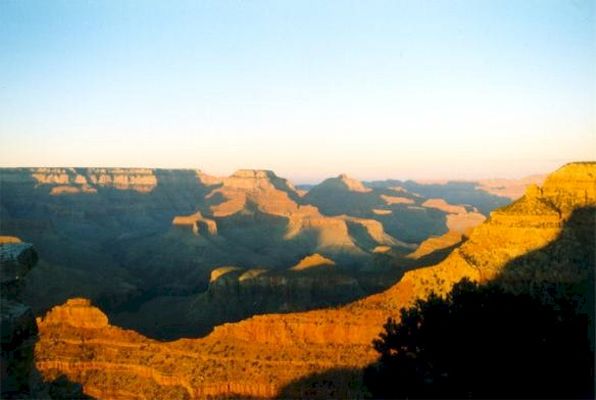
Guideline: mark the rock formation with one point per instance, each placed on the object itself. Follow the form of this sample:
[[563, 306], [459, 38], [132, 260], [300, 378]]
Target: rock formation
[[77, 180], [404, 214], [314, 260], [236, 293], [197, 224], [138, 241], [18, 377], [260, 355], [249, 192]]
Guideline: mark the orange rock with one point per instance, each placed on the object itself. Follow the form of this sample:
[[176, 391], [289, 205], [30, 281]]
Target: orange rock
[[314, 260]]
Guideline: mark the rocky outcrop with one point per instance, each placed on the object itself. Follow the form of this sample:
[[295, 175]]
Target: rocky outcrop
[[78, 313], [570, 187], [391, 200], [345, 182], [18, 327], [76, 180], [263, 190], [236, 293], [197, 224], [441, 204], [16, 259], [314, 260]]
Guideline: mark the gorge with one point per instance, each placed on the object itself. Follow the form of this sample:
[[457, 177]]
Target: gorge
[[546, 235]]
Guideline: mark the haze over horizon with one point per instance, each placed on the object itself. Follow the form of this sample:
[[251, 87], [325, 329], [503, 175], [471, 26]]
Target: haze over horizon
[[433, 90]]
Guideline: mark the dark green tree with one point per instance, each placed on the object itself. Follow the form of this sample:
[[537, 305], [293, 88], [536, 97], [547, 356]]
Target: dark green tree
[[483, 342]]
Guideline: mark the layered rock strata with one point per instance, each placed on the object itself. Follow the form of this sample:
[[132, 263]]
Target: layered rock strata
[[259, 356]]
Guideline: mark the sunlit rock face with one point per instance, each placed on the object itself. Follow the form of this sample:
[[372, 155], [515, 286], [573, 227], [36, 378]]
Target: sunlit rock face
[[75, 180], [543, 235], [109, 361], [312, 261], [78, 313], [526, 225]]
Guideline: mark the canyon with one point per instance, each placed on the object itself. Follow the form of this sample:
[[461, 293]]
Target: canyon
[[142, 243], [544, 236]]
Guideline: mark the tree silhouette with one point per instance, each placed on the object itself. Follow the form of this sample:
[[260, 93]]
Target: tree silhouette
[[483, 342]]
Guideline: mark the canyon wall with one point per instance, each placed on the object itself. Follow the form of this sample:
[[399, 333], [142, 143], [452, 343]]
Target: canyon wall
[[140, 241], [550, 229]]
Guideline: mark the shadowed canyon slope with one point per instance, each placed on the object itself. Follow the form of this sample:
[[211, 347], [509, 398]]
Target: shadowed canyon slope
[[142, 243], [19, 378], [545, 235]]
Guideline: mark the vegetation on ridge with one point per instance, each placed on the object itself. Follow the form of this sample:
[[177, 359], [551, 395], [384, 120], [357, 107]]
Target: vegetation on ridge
[[484, 342]]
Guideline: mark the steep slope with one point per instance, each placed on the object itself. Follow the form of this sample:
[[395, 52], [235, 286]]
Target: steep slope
[[550, 230]]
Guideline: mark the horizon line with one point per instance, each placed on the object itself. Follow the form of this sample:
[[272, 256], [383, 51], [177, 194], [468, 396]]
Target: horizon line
[[304, 180]]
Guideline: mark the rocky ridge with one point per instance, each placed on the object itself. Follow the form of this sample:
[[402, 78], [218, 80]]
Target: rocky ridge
[[19, 379]]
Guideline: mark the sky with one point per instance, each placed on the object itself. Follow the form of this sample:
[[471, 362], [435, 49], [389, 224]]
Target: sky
[[310, 89]]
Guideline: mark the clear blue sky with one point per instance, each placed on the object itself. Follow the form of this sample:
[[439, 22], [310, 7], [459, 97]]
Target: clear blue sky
[[422, 89]]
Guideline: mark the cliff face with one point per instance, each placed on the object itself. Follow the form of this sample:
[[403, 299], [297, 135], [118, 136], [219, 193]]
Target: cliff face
[[260, 355], [19, 330], [114, 363], [236, 293], [76, 180]]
